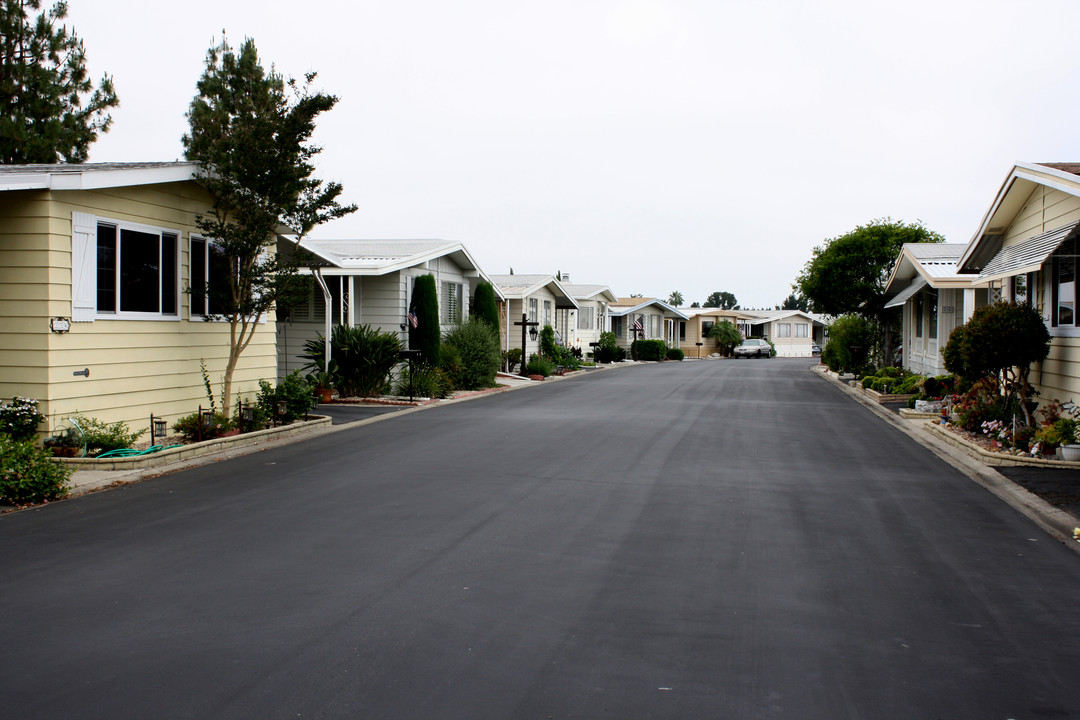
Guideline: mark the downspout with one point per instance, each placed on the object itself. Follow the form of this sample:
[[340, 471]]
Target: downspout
[[329, 318]]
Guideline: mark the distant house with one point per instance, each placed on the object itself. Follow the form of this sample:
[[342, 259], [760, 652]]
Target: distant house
[[370, 282], [792, 332], [1026, 248], [591, 317], [925, 283], [694, 337], [644, 319], [541, 299], [94, 263]]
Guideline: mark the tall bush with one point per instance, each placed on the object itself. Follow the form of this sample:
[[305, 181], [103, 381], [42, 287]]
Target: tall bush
[[845, 332], [425, 337], [485, 307], [361, 359], [1000, 341], [476, 346]]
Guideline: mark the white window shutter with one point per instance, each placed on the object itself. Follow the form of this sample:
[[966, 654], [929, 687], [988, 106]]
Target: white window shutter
[[83, 267]]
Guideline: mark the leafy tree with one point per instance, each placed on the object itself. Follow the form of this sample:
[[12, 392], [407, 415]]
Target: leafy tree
[[727, 336], [250, 131], [1000, 341], [695, 304], [723, 300], [635, 295], [675, 299], [425, 337], [51, 112], [795, 302], [848, 273], [485, 307]]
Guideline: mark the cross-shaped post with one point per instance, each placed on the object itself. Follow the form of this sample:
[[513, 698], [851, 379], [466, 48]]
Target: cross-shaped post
[[525, 325]]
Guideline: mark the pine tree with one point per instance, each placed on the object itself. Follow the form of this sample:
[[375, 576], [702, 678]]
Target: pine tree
[[250, 131], [49, 110]]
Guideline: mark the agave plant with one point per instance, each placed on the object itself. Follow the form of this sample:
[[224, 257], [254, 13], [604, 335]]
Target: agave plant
[[362, 358]]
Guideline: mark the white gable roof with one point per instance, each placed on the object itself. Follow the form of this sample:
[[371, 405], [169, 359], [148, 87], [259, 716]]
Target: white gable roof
[[91, 176]]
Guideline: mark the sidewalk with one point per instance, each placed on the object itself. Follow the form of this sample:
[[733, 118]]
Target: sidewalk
[[1055, 521]]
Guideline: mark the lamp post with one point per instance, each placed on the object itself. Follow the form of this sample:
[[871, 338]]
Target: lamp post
[[158, 428], [526, 324]]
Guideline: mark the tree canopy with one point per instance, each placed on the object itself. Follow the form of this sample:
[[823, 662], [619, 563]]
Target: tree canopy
[[795, 302], [847, 274], [727, 336], [250, 132], [51, 112], [675, 299], [723, 300]]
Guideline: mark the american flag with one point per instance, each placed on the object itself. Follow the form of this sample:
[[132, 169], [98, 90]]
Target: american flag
[[413, 320], [637, 324]]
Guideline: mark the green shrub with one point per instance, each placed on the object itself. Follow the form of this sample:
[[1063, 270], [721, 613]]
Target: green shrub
[[188, 426], [675, 354], [547, 341], [845, 332], [648, 350], [608, 350], [429, 382], [100, 437], [478, 356], [772, 347], [485, 306], [361, 359], [296, 391], [20, 417], [426, 336], [539, 365], [27, 475], [511, 358]]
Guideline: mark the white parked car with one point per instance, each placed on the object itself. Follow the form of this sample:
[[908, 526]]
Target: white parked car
[[753, 347]]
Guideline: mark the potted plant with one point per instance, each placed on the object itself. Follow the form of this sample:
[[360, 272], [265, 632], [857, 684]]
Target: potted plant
[[65, 443], [1062, 433], [323, 384]]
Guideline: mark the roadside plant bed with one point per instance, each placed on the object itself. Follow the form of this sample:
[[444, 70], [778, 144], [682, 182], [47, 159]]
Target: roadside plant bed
[[992, 452], [191, 450], [882, 398]]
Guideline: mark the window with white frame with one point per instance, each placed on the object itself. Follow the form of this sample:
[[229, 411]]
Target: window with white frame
[[452, 303], [585, 318], [209, 276], [1063, 273], [547, 312], [783, 330], [533, 305], [802, 330], [136, 271]]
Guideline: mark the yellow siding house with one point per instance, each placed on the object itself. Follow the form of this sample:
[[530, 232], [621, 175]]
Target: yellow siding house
[[94, 317]]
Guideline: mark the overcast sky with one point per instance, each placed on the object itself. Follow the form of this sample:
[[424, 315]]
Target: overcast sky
[[648, 145]]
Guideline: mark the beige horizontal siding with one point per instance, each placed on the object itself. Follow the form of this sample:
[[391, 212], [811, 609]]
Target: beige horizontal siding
[[136, 367]]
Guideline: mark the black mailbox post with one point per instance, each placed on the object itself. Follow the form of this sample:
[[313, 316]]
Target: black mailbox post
[[409, 356]]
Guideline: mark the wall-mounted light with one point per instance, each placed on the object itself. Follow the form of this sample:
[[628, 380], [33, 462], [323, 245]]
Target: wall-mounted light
[[533, 333]]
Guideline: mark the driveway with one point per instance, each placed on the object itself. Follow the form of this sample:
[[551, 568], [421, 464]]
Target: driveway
[[679, 540]]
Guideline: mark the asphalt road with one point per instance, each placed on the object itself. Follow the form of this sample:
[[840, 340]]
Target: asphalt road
[[684, 540]]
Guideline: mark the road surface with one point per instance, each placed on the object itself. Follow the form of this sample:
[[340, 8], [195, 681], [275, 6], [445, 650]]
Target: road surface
[[715, 539]]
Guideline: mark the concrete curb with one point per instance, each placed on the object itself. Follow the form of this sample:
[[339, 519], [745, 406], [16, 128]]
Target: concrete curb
[[1054, 521]]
